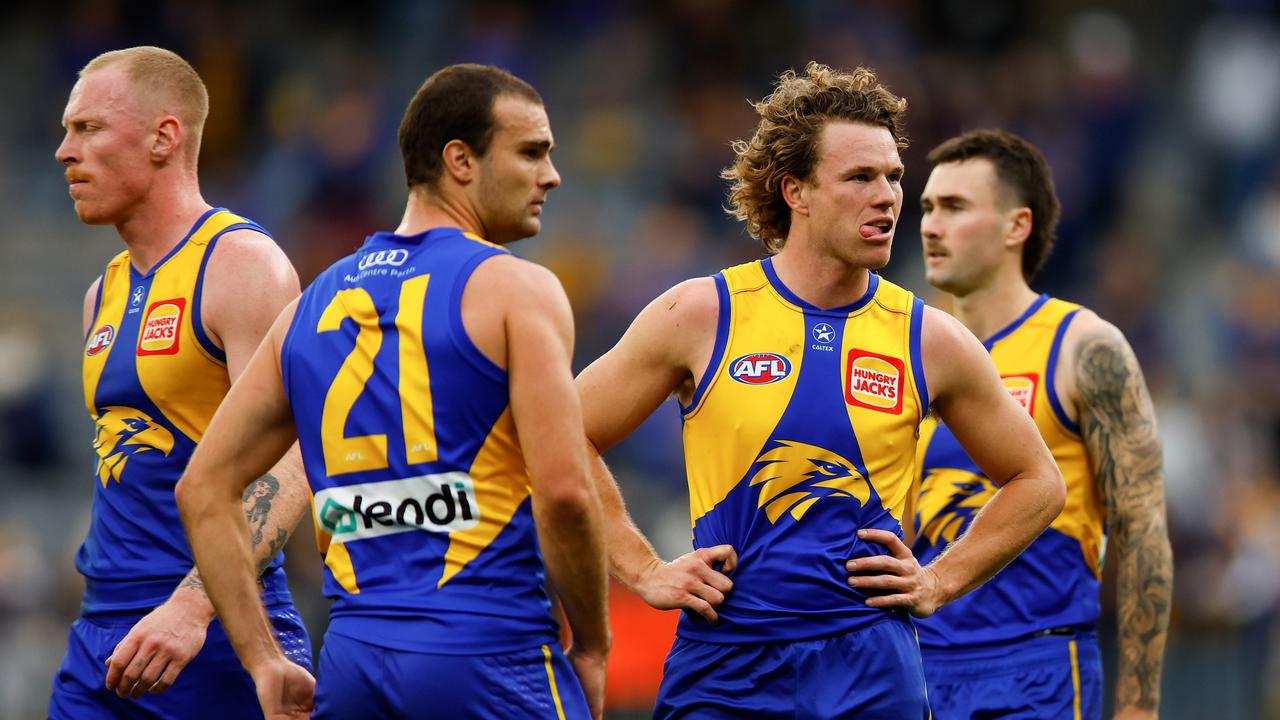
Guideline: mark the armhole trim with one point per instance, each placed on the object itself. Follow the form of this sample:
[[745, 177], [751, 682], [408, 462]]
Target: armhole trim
[[1050, 373], [917, 362], [717, 352]]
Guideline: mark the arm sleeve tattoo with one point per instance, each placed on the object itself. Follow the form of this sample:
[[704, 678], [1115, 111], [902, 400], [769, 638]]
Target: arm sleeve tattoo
[[257, 501], [1119, 429]]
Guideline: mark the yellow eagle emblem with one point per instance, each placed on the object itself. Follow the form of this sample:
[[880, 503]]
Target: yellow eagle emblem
[[122, 433], [794, 475], [949, 501]]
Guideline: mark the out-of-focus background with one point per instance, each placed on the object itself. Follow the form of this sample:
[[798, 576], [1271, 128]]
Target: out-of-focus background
[[1161, 120]]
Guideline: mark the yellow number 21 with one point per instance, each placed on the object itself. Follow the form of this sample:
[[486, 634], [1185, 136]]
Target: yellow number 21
[[344, 454]]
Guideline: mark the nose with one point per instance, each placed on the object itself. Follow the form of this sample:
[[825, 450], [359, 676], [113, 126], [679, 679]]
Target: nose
[[65, 154], [929, 226], [885, 197], [550, 178]]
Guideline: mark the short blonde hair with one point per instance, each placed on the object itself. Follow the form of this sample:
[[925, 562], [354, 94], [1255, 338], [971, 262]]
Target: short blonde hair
[[786, 140], [169, 82]]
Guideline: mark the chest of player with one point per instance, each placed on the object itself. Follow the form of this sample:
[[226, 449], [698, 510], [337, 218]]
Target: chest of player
[[148, 349]]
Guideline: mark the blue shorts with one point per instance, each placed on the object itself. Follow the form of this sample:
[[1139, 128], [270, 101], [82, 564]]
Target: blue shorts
[[213, 686], [1043, 678], [872, 673], [360, 681]]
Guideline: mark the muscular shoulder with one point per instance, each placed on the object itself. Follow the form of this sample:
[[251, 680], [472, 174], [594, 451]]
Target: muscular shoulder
[[251, 257], [505, 289], [247, 282], [1094, 354], [950, 353], [507, 276]]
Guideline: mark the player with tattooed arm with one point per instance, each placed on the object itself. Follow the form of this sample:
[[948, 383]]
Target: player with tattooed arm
[[1024, 644]]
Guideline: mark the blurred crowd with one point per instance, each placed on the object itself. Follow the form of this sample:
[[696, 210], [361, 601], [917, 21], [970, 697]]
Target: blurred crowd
[[1164, 139]]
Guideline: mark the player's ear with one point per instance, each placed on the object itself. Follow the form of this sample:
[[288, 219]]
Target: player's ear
[[459, 161], [168, 138], [795, 193], [1019, 228]]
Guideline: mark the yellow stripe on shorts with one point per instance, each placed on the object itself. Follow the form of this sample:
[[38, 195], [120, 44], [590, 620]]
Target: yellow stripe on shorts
[[1075, 679], [555, 692]]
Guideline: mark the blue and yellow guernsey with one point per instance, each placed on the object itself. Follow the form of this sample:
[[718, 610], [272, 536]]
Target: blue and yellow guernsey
[[1053, 584], [152, 380], [421, 498], [801, 432]]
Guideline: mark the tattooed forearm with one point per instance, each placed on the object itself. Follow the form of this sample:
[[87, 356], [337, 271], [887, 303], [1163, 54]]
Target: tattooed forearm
[[1118, 424], [282, 536], [257, 505], [193, 582]]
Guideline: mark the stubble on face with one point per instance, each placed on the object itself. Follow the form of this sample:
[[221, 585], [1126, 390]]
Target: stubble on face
[[515, 174]]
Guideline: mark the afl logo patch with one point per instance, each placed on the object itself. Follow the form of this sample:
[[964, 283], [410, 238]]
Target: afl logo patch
[[100, 340], [759, 368], [160, 327], [874, 381], [1023, 389]]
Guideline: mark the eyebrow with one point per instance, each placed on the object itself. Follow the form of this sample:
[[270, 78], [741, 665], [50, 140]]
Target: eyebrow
[[941, 199], [872, 169]]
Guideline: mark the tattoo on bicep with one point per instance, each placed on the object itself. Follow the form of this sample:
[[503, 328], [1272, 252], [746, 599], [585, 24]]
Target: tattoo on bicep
[[1119, 430], [257, 500]]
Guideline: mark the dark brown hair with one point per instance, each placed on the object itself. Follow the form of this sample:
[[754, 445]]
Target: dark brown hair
[[1024, 173], [455, 103]]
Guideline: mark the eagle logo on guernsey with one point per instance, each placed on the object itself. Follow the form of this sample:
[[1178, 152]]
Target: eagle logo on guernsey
[[122, 433], [161, 327], [950, 500], [100, 340], [759, 368], [793, 476], [874, 381]]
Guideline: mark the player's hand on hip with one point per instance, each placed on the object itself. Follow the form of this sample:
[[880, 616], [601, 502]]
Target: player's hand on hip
[[897, 579], [286, 691], [591, 670], [150, 657], [691, 581]]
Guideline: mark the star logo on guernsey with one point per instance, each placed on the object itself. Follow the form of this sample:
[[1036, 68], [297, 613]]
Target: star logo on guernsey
[[950, 500], [793, 476], [823, 335], [124, 432], [136, 300]]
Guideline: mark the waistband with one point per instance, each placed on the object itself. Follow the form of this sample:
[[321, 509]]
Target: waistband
[[1049, 644]]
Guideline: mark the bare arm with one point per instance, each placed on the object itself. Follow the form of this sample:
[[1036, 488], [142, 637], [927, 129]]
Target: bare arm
[[247, 282], [1002, 439], [250, 431], [618, 392], [1118, 424], [539, 329], [240, 306]]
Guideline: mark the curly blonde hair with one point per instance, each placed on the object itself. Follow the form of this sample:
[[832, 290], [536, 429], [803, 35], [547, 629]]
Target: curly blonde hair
[[786, 140]]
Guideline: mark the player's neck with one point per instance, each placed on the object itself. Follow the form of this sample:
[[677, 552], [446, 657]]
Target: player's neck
[[820, 280], [158, 224], [988, 310], [426, 211]]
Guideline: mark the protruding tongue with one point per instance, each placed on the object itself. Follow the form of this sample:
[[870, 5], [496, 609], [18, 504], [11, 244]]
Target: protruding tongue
[[870, 231]]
